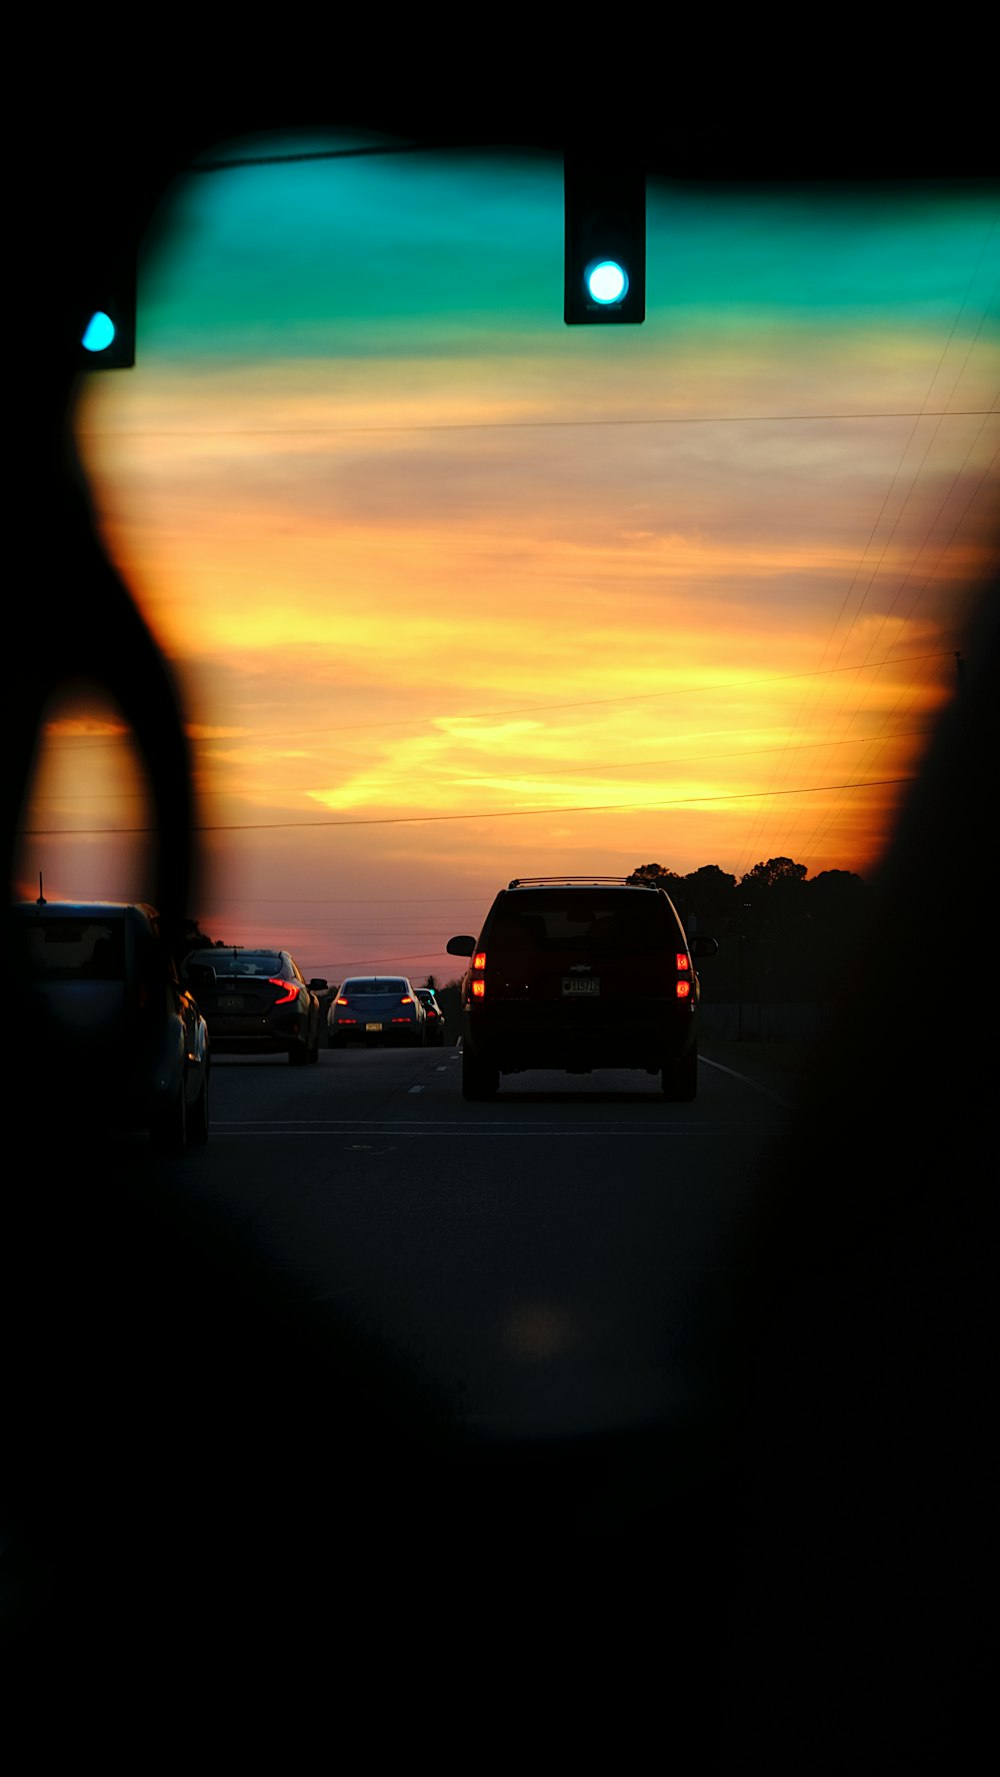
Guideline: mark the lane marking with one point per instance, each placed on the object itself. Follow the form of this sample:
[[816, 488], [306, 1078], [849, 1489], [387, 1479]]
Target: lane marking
[[755, 1085], [595, 1131]]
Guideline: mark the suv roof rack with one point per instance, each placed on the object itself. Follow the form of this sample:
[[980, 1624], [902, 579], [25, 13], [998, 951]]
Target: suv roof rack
[[544, 881]]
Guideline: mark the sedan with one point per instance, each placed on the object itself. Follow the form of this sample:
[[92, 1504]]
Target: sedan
[[376, 1009], [257, 1002]]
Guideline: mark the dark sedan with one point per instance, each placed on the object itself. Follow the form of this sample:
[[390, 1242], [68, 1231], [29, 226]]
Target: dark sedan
[[258, 1003]]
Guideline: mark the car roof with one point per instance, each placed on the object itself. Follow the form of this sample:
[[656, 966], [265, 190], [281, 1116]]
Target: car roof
[[85, 909], [561, 882]]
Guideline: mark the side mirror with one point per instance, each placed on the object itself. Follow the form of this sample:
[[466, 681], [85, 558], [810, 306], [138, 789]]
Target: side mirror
[[464, 946], [318, 985], [701, 947]]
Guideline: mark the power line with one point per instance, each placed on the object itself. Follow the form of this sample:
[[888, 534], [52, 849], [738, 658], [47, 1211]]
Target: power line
[[275, 160], [528, 709], [679, 419], [481, 814]]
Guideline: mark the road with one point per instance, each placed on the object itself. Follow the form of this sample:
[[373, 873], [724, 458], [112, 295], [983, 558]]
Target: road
[[539, 1265], [381, 1389]]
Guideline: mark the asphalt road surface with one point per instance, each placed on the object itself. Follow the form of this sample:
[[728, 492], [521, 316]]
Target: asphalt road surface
[[538, 1265], [516, 1422]]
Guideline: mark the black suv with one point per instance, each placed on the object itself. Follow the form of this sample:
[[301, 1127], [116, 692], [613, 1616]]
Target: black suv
[[580, 973]]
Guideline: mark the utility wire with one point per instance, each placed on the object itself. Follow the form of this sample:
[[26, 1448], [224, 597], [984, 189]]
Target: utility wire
[[481, 814]]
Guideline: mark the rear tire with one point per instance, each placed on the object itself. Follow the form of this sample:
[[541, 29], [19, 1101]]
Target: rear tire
[[480, 1078], [680, 1081]]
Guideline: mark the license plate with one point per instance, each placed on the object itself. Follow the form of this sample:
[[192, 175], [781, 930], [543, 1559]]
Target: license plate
[[577, 985], [231, 1002], [373, 1027]]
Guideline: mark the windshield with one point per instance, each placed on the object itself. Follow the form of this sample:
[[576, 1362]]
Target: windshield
[[66, 950], [722, 559]]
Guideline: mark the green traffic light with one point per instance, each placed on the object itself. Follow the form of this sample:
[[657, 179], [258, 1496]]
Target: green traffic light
[[607, 281], [99, 332]]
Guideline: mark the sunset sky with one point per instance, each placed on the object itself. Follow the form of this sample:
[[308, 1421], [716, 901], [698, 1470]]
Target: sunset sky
[[455, 592]]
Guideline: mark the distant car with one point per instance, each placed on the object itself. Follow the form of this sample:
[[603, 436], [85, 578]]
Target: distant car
[[376, 1009], [258, 1002], [435, 1017], [579, 973], [108, 1014]]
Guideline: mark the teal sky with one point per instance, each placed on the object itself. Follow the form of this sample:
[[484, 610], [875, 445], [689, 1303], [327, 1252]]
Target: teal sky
[[431, 250]]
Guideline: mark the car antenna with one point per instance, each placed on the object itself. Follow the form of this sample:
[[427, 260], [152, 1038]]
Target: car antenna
[[41, 902]]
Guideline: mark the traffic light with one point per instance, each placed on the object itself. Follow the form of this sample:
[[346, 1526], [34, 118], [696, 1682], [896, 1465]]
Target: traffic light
[[605, 241], [107, 320]]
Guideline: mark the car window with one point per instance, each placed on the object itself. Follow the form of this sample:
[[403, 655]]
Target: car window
[[600, 922], [252, 962], [66, 950]]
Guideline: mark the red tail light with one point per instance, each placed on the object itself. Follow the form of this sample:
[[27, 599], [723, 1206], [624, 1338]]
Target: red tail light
[[406, 1000], [683, 960], [683, 990], [478, 986], [291, 991]]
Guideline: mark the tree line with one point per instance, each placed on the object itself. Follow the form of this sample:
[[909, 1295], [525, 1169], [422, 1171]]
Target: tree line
[[784, 937]]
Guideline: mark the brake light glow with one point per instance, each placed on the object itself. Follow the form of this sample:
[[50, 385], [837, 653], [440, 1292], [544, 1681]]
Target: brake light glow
[[406, 1000], [291, 991], [683, 960], [683, 990], [479, 960], [478, 989], [340, 1001]]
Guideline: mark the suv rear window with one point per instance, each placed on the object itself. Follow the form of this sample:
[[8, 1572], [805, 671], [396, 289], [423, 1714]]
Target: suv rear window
[[618, 922]]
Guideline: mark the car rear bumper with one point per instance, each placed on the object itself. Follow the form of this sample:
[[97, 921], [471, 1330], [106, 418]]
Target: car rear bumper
[[514, 1038]]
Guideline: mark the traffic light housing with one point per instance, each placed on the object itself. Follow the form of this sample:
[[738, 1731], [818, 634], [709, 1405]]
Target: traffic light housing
[[605, 260]]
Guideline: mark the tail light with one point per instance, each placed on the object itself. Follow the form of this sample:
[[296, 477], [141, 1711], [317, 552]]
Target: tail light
[[478, 984], [291, 990]]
